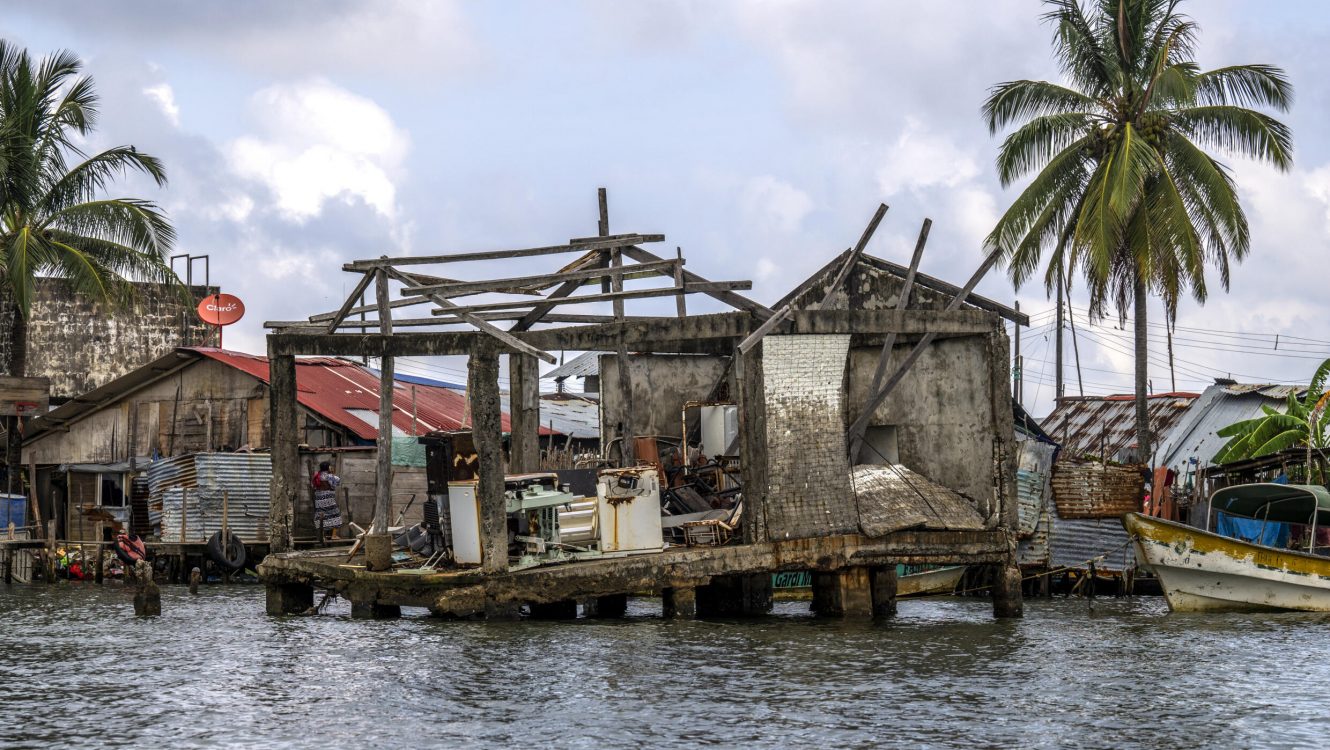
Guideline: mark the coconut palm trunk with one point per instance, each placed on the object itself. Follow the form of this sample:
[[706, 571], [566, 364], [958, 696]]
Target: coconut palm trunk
[[18, 367], [1143, 436]]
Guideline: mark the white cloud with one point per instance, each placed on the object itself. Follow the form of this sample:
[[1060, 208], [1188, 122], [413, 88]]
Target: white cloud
[[164, 97], [774, 205], [922, 159], [318, 141]]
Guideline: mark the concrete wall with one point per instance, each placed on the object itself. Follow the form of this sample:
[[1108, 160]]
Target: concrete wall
[[943, 411], [808, 485], [661, 384], [81, 345]]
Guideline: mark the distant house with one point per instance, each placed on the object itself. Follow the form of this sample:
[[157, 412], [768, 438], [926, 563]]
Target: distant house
[[87, 453]]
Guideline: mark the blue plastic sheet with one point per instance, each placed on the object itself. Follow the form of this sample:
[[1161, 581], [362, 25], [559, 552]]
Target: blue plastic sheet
[[1250, 530]]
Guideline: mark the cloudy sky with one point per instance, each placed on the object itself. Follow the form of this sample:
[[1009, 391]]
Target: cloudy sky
[[759, 135]]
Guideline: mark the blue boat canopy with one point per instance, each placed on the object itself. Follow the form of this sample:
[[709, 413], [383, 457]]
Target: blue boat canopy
[[1286, 503]]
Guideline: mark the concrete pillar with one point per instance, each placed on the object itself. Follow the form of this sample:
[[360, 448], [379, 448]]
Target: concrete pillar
[[843, 593], [289, 598], [883, 581], [1007, 600], [486, 433], [286, 475], [751, 400], [374, 611], [678, 601], [562, 610], [606, 607], [735, 596], [378, 552], [524, 411]]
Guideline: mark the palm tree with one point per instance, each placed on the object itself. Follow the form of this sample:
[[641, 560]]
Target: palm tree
[[1123, 190], [53, 219], [1301, 424]]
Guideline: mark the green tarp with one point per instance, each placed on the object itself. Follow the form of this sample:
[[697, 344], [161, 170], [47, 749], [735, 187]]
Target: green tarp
[[408, 451]]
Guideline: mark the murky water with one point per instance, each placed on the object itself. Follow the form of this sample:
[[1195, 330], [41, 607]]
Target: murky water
[[78, 670]]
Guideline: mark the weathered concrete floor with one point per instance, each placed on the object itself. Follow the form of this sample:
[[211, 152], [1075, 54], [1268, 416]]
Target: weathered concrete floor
[[468, 592]]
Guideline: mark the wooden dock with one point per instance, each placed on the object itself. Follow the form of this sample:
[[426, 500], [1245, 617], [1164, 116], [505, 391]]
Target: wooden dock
[[707, 575]]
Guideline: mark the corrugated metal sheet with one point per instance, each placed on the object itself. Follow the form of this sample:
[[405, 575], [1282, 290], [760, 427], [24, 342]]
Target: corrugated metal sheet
[[202, 481], [1106, 425], [1220, 406], [1280, 392], [581, 366], [1033, 550], [1035, 461], [1074, 541], [1089, 489]]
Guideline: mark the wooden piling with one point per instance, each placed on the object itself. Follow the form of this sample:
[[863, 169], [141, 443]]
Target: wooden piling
[[285, 448], [524, 413]]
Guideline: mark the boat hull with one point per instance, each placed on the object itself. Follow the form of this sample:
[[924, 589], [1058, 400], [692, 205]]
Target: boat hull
[[1204, 572], [938, 581]]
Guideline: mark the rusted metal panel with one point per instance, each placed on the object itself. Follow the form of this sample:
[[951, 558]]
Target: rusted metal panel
[[1089, 489], [1106, 426]]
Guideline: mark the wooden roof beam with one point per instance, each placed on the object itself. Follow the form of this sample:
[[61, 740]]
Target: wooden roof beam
[[596, 244]]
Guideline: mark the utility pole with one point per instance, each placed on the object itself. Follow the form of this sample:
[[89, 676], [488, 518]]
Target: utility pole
[[1018, 391], [1058, 384]]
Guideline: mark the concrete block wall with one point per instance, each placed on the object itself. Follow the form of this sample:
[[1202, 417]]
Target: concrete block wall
[[81, 344], [809, 491]]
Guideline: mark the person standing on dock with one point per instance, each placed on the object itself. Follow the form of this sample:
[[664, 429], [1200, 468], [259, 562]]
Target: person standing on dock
[[326, 513]]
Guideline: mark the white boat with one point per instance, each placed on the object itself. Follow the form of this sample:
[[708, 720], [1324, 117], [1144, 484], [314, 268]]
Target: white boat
[[1202, 570]]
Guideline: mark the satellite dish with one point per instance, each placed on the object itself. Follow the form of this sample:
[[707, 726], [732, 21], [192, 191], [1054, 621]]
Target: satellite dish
[[221, 309]]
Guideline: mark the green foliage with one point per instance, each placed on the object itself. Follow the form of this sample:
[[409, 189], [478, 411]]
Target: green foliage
[[1301, 424], [54, 220]]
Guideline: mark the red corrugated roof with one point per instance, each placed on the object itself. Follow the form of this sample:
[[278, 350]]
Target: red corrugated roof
[[335, 389]]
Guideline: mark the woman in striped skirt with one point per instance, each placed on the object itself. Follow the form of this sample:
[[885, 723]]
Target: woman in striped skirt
[[326, 513]]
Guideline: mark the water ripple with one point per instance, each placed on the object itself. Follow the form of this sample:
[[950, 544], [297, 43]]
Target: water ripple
[[77, 667]]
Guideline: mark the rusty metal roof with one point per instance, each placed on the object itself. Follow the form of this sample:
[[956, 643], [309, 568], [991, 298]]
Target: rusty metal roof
[[337, 389], [334, 389], [1106, 425]]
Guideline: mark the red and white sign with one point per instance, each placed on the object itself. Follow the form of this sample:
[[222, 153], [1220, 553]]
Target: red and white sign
[[221, 309]]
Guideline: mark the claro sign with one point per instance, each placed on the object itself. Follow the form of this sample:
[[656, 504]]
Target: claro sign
[[221, 309]]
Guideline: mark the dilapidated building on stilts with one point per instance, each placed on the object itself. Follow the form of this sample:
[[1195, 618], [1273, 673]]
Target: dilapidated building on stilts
[[872, 425]]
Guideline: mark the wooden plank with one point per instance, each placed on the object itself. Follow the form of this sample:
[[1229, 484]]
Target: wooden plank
[[350, 302], [498, 333], [737, 301], [541, 309], [756, 336], [500, 285], [371, 263], [24, 397], [323, 317], [680, 302], [691, 288], [855, 254]]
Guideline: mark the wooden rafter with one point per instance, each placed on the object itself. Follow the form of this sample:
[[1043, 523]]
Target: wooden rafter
[[704, 287], [598, 243], [506, 338]]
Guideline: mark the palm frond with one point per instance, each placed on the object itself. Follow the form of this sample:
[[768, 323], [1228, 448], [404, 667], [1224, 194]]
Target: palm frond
[[1238, 130]]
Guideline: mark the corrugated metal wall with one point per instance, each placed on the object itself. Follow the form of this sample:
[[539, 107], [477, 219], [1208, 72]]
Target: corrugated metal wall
[[202, 481]]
